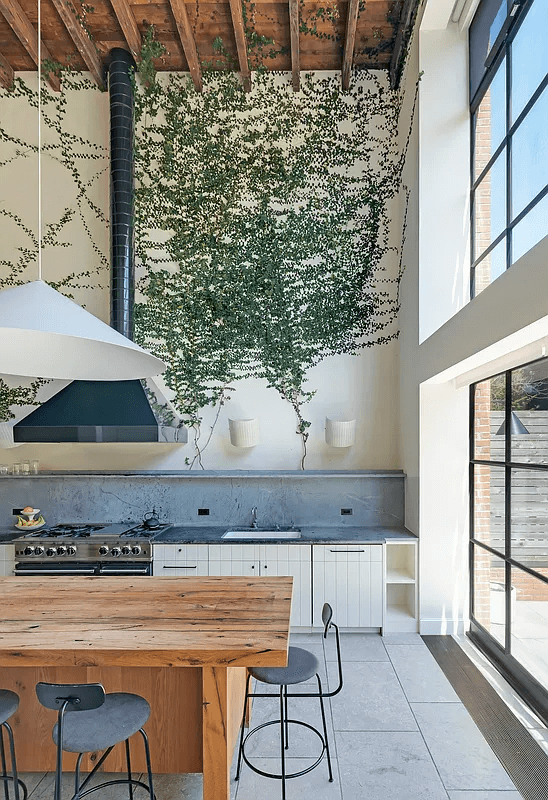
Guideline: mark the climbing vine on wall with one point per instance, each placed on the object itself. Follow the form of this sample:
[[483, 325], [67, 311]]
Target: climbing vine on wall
[[75, 154], [263, 227]]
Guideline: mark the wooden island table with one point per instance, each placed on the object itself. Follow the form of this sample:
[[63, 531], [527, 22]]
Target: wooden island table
[[133, 634]]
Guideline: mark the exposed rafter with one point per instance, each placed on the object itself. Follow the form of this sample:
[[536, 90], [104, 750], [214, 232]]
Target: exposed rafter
[[241, 46], [402, 36], [79, 36], [349, 42], [186, 36], [6, 73], [126, 20], [22, 28], [295, 53]]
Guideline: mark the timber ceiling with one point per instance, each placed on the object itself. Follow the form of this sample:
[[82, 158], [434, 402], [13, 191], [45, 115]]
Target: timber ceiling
[[339, 35]]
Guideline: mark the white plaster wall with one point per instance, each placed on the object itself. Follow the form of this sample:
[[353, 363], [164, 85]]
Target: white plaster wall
[[446, 342], [364, 387]]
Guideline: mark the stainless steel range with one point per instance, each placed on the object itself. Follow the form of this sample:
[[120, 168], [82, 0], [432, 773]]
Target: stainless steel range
[[87, 549]]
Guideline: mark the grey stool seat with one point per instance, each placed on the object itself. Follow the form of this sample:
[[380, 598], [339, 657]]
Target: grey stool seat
[[89, 719], [120, 716], [302, 665], [9, 703]]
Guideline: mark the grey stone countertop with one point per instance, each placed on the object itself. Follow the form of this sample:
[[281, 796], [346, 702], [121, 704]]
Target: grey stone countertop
[[185, 534], [180, 534]]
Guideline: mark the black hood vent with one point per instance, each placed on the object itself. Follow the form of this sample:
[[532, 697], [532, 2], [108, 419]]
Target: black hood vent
[[106, 411]]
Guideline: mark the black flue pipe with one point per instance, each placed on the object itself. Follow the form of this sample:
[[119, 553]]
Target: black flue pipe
[[122, 282]]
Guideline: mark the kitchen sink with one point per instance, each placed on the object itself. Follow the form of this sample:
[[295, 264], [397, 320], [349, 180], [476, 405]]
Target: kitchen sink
[[262, 533]]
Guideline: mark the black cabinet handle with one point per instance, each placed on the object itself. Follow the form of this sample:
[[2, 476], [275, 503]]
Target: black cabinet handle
[[178, 566], [347, 551]]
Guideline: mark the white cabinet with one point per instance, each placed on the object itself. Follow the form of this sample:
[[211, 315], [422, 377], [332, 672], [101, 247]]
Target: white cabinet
[[180, 559], [7, 559], [400, 614], [234, 559], [269, 559], [350, 579], [291, 559]]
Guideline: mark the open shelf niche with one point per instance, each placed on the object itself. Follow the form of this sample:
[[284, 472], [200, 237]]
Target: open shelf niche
[[401, 601]]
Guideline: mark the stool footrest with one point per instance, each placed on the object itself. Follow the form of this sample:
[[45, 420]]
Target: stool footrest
[[133, 782], [293, 774]]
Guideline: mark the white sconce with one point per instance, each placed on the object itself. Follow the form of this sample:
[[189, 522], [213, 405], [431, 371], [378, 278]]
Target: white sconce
[[340, 433], [244, 432]]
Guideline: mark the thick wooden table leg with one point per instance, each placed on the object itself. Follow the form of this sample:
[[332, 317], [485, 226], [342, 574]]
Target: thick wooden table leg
[[217, 750]]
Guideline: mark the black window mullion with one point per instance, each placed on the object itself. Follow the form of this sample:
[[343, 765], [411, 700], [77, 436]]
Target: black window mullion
[[508, 156], [507, 509]]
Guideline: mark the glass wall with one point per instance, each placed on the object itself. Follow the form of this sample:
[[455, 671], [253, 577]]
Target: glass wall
[[509, 113], [509, 525]]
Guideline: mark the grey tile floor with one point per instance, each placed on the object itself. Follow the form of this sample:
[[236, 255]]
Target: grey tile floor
[[398, 732]]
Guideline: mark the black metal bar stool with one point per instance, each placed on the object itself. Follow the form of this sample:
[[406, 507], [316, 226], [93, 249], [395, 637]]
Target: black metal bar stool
[[103, 721], [302, 665], [9, 703]]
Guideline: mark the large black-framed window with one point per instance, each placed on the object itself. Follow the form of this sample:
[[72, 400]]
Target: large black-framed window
[[508, 49], [509, 526]]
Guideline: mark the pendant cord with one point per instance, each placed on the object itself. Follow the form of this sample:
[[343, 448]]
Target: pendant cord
[[39, 141]]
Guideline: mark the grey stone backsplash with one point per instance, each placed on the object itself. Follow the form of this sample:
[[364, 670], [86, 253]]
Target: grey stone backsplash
[[376, 498]]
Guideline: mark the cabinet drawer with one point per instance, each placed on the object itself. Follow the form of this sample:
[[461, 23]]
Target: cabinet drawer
[[172, 553], [329, 553], [179, 560]]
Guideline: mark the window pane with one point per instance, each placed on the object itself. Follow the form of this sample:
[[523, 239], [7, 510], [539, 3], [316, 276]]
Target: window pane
[[490, 267], [484, 29], [489, 506], [529, 623], [530, 413], [490, 206], [530, 230], [488, 601], [490, 121], [529, 521], [530, 156], [527, 72], [488, 417]]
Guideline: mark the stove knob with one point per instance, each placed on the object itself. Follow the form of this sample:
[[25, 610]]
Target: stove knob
[[136, 549], [28, 551], [39, 550], [51, 551], [71, 550], [61, 550], [126, 550], [103, 550], [115, 551]]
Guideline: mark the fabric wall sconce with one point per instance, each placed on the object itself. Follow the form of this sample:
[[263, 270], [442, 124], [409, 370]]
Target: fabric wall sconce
[[340, 433], [244, 432]]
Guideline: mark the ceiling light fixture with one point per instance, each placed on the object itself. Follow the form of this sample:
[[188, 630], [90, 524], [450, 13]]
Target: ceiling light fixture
[[517, 428], [46, 335]]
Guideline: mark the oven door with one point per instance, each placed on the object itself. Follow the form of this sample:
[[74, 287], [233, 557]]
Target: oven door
[[84, 568], [57, 568], [128, 568]]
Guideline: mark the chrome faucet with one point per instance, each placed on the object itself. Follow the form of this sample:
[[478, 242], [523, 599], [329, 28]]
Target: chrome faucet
[[254, 517]]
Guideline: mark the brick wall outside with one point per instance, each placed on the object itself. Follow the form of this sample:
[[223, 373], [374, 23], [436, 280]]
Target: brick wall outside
[[482, 503], [482, 198]]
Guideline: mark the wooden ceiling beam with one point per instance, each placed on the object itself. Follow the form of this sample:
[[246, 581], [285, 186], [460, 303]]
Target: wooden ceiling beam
[[349, 42], [295, 51], [23, 29], [79, 36], [402, 36], [6, 73], [126, 20], [186, 36], [241, 46]]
